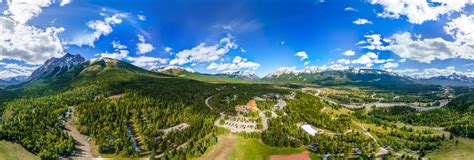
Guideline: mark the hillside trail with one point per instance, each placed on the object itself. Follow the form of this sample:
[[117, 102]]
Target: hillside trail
[[80, 141]]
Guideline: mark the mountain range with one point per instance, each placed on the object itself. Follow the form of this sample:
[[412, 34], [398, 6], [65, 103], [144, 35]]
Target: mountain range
[[309, 75], [13, 80], [221, 77], [452, 80]]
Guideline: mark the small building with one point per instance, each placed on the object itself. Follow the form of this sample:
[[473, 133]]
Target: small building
[[308, 129]]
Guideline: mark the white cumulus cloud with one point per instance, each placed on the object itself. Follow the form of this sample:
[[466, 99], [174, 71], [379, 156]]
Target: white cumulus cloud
[[302, 54], [431, 72], [461, 29], [204, 52], [141, 17], [238, 63], [64, 2], [362, 21], [374, 42], [419, 11], [12, 70], [426, 50], [348, 53], [143, 47], [350, 9], [147, 62], [28, 43], [119, 53], [100, 28], [344, 61]]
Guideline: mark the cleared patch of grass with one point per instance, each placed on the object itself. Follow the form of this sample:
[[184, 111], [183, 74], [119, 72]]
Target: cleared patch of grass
[[254, 149], [12, 151], [463, 150]]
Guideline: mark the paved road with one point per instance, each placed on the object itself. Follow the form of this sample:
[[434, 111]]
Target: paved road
[[207, 102], [82, 144], [382, 151]]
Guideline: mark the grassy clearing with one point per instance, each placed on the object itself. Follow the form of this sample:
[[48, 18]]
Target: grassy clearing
[[436, 130], [253, 149], [463, 150], [239, 148], [12, 151]]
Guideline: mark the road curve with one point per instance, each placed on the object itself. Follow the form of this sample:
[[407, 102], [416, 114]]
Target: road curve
[[207, 103]]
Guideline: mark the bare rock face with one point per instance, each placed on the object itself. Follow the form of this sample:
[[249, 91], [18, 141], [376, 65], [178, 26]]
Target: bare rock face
[[67, 61]]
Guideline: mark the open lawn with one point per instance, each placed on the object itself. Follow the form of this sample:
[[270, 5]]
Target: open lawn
[[12, 151], [461, 151], [233, 147], [253, 149]]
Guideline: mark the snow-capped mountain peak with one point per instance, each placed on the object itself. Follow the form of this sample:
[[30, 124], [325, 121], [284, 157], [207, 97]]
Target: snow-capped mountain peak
[[169, 68], [241, 74]]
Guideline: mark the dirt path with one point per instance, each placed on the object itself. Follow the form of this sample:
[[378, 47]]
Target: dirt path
[[82, 144], [224, 148]]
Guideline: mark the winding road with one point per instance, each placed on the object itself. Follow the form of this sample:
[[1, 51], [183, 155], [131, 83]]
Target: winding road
[[207, 102], [382, 151]]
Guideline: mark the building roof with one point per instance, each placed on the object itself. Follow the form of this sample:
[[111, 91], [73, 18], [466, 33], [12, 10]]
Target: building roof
[[308, 129]]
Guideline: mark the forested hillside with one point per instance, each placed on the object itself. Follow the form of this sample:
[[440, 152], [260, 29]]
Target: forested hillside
[[457, 117], [110, 97]]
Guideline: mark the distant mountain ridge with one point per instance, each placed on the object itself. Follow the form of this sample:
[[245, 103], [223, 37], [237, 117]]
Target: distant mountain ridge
[[13, 80], [191, 74], [453, 79], [318, 75], [308, 75], [240, 74], [67, 61], [171, 69]]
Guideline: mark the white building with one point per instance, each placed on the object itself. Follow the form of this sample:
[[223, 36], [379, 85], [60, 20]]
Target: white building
[[308, 129]]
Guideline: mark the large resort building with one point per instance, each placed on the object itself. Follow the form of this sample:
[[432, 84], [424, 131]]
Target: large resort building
[[250, 107]]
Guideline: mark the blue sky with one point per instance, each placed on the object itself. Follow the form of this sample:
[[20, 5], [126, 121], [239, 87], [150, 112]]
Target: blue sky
[[215, 36]]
